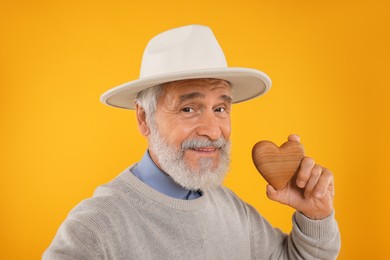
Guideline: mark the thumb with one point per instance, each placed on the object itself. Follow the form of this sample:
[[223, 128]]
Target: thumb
[[294, 137], [272, 194]]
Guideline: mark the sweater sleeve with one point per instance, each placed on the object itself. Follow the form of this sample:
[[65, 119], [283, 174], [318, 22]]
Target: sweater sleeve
[[73, 241], [312, 239], [309, 239]]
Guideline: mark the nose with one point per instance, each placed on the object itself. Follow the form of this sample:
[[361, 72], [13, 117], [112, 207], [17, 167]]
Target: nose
[[209, 126]]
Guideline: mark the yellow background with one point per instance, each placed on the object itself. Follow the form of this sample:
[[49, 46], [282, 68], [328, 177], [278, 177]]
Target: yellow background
[[329, 62]]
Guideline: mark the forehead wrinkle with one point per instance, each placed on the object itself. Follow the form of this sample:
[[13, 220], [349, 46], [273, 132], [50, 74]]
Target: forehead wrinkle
[[171, 87], [195, 95], [191, 95]]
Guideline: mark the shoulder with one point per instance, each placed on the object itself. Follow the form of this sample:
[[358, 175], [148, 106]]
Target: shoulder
[[109, 204], [83, 233]]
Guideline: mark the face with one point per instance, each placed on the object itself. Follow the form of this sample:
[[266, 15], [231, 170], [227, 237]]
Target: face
[[192, 130]]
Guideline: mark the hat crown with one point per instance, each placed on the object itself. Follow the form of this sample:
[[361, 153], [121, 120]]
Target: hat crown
[[192, 47]]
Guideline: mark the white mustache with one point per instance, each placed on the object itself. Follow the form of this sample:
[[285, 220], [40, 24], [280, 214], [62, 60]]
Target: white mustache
[[199, 143]]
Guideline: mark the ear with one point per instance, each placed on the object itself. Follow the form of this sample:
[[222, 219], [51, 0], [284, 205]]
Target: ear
[[141, 120]]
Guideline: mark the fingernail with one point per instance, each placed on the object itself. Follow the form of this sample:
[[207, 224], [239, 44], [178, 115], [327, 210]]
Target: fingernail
[[301, 184]]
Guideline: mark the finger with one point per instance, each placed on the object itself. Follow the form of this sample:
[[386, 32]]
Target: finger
[[304, 171], [325, 184], [294, 137], [271, 192], [311, 184]]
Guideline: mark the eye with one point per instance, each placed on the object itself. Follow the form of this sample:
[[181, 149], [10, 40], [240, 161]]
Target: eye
[[187, 109], [220, 109]]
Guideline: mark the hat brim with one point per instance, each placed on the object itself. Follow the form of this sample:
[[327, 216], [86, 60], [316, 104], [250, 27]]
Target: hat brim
[[246, 84]]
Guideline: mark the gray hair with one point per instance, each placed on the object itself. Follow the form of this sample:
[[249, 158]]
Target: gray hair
[[147, 99]]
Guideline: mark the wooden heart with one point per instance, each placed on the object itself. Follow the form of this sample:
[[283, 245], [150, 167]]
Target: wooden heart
[[277, 164]]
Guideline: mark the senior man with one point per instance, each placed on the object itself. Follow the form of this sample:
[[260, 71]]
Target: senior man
[[171, 204]]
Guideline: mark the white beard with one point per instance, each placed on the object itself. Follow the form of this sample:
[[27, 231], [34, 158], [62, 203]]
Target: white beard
[[173, 163]]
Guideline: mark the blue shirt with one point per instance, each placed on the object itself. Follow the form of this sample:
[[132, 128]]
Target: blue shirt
[[148, 172]]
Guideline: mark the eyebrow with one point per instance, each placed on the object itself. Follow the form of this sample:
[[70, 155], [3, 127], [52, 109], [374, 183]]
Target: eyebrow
[[227, 98], [194, 95]]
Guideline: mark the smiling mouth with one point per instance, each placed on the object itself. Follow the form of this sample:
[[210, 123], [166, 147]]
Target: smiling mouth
[[205, 149]]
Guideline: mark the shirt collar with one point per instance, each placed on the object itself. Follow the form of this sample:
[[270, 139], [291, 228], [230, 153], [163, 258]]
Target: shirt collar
[[148, 172]]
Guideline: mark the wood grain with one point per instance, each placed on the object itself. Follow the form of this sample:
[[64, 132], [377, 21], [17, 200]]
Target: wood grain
[[277, 164]]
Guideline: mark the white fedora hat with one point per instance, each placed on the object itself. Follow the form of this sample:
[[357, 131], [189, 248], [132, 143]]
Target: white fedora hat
[[187, 52]]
